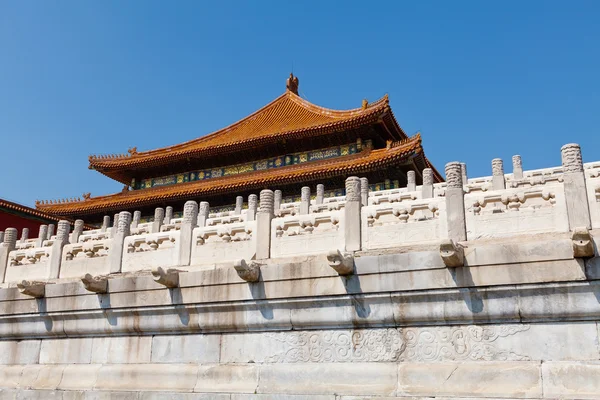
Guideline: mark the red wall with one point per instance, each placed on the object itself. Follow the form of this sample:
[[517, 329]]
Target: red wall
[[8, 220]]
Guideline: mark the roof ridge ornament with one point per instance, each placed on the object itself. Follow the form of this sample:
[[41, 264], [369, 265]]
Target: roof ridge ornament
[[292, 84]]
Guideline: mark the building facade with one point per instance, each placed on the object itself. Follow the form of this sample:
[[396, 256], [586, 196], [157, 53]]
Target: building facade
[[289, 143]]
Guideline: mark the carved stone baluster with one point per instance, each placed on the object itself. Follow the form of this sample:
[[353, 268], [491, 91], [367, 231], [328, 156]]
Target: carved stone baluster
[[304, 200], [427, 188], [190, 219], [239, 203], [277, 201], [498, 181], [77, 231], [51, 228], [263, 224], [364, 191], [62, 238], [203, 213], [105, 223], [578, 210], [159, 217], [252, 207], [352, 209], [9, 244], [42, 234], [113, 230], [115, 253], [168, 215], [320, 194], [463, 170], [1, 236], [517, 168], [24, 235], [411, 179], [455, 203], [137, 217]]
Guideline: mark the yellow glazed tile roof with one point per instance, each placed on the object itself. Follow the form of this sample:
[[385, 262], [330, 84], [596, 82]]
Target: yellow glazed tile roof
[[288, 116], [367, 160]]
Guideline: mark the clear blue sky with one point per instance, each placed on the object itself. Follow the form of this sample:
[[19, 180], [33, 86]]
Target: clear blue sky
[[479, 79]]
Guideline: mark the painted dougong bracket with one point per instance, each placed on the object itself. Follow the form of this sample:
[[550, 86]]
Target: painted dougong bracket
[[342, 263], [248, 272], [32, 288], [452, 254], [583, 244], [96, 284], [168, 278]]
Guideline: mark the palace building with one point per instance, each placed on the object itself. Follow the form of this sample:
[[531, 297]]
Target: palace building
[[287, 144]]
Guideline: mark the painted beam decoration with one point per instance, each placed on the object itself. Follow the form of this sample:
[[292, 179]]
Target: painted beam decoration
[[276, 162]]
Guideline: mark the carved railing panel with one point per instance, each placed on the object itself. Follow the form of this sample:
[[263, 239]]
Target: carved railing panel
[[401, 222], [174, 225], [307, 234], [224, 242], [90, 257], [151, 250], [592, 176], [95, 234], [526, 210], [28, 264]]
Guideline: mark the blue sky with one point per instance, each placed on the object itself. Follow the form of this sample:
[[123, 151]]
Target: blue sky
[[479, 79]]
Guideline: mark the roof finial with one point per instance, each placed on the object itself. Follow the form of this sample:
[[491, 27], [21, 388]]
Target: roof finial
[[365, 104], [292, 83]]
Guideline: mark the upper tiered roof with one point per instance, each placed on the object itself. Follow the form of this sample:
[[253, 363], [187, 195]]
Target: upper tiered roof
[[288, 117]]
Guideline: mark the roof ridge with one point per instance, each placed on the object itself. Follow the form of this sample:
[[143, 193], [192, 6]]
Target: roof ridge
[[305, 104]]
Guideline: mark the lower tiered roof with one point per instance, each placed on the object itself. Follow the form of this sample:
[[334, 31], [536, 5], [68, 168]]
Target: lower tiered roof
[[396, 153]]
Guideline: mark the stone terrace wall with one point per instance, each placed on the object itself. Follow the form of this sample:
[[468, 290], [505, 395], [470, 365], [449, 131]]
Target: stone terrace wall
[[472, 288]]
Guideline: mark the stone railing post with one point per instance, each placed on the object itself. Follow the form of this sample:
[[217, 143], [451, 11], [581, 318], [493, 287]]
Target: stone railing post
[[42, 233], [24, 235], [9, 243], [517, 168], [168, 215], [498, 181], [77, 230], [263, 224], [190, 220], [203, 213], [239, 204], [115, 253], [455, 203], [252, 207], [411, 181], [364, 191], [304, 200], [278, 198], [62, 238], [463, 171], [137, 217], [1, 236], [352, 214], [113, 230], [320, 194], [578, 208], [105, 223], [427, 188], [159, 217], [50, 231]]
